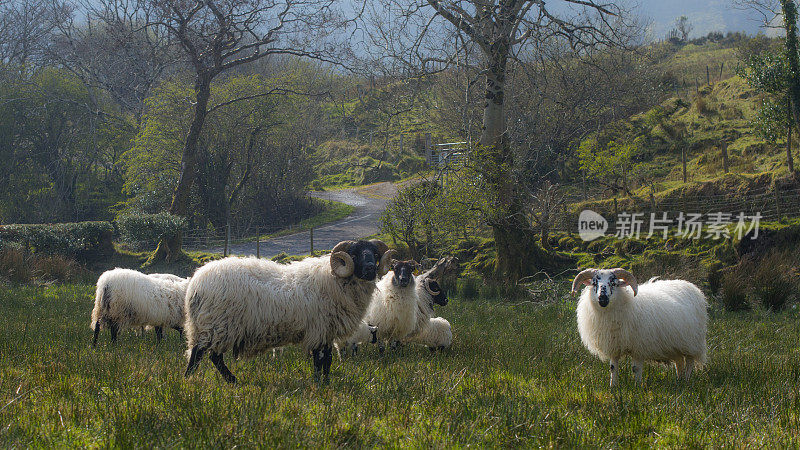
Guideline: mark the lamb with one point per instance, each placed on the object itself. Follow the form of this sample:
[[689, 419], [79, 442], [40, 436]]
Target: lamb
[[436, 334], [364, 333], [249, 305], [394, 305], [665, 322], [126, 298]]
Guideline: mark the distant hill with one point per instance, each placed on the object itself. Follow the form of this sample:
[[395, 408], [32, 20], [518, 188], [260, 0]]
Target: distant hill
[[705, 15]]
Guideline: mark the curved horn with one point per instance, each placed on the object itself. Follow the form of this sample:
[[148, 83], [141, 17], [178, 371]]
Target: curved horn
[[386, 261], [342, 246], [427, 284], [628, 278], [584, 277], [382, 247], [342, 264]]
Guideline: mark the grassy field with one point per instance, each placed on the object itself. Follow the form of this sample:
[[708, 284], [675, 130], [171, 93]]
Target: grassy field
[[517, 375]]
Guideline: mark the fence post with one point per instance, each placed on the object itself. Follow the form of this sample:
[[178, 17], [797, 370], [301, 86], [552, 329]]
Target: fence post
[[311, 238], [428, 149], [227, 237], [683, 160], [708, 76], [778, 203], [725, 157]]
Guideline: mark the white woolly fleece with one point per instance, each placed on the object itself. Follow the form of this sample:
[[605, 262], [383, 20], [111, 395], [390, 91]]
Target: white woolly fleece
[[133, 299], [435, 334], [664, 322], [393, 309], [256, 304]]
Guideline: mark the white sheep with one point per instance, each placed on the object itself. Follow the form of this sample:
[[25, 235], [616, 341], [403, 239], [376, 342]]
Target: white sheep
[[126, 298], [429, 293], [436, 334], [249, 305], [394, 304], [364, 333], [662, 321]]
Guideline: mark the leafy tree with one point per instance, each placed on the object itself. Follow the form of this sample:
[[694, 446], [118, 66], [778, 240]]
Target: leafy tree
[[609, 164]]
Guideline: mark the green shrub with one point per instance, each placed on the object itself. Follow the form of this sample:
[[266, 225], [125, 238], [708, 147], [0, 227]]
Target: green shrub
[[469, 287], [81, 240], [146, 230]]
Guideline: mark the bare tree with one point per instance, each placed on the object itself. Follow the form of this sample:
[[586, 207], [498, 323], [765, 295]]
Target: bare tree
[[544, 206], [683, 27], [499, 29]]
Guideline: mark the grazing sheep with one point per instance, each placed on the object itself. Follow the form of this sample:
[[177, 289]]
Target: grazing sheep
[[660, 321], [126, 298], [436, 334], [364, 333], [394, 305], [249, 305]]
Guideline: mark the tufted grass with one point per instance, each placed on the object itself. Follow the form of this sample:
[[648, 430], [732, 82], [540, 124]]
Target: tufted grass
[[517, 376]]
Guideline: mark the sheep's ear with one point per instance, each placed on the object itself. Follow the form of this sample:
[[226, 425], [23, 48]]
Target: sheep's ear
[[386, 261], [342, 264], [585, 277], [627, 279]]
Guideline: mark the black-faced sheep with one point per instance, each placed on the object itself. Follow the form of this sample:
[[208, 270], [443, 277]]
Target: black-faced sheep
[[126, 298], [394, 304], [662, 321], [249, 305]]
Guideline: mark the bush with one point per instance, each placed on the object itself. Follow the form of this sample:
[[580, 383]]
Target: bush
[[469, 287], [81, 240], [772, 282], [14, 265], [734, 291], [146, 230], [57, 268]]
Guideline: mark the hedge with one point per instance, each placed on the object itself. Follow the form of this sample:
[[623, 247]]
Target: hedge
[[146, 230], [81, 240]]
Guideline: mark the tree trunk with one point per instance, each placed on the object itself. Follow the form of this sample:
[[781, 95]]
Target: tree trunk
[[790, 25], [169, 248], [789, 157]]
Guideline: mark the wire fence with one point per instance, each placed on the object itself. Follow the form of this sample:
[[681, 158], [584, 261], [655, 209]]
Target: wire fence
[[768, 203]]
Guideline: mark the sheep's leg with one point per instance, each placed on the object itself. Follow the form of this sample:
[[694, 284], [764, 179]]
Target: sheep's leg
[[637, 370], [381, 347], [159, 334], [96, 333], [353, 349], [113, 327], [614, 374], [219, 363], [687, 371], [432, 349], [679, 367], [194, 360], [323, 358]]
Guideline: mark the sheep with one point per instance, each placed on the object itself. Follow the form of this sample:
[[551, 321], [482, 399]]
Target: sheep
[[666, 321], [394, 305], [250, 305], [430, 294], [127, 298], [436, 334], [364, 333]]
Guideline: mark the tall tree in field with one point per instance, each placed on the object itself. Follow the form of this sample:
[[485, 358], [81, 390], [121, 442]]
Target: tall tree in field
[[217, 36], [499, 29]]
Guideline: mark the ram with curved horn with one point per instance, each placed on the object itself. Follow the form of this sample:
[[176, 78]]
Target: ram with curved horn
[[660, 320], [249, 305]]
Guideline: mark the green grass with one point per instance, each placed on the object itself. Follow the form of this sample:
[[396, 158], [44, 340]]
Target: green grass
[[516, 376]]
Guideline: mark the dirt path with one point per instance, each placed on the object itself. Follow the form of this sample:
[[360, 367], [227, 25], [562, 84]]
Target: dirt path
[[369, 202]]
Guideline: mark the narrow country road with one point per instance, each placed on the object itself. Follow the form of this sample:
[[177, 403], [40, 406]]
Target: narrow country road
[[369, 202]]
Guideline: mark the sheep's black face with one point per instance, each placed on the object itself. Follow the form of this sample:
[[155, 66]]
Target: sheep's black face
[[440, 298], [365, 259], [403, 272], [603, 284]]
